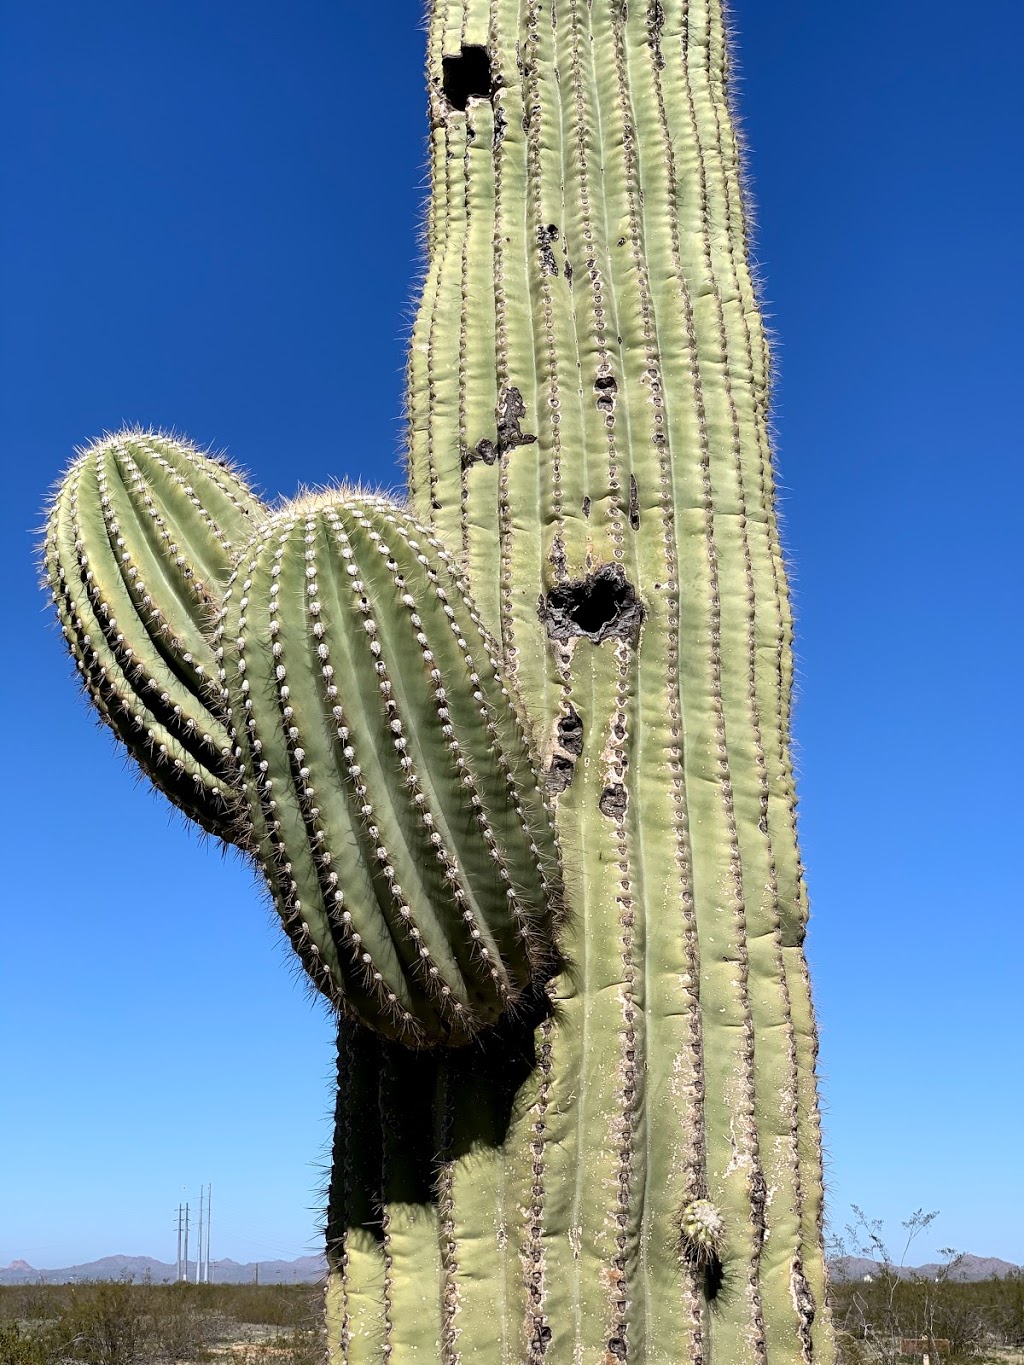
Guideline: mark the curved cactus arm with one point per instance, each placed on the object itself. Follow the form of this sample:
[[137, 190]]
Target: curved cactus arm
[[388, 775], [137, 550]]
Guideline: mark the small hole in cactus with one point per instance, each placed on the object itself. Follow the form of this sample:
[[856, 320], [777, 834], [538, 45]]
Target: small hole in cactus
[[634, 503], [601, 606], [606, 388], [541, 1338], [560, 773], [613, 801], [570, 732], [467, 77]]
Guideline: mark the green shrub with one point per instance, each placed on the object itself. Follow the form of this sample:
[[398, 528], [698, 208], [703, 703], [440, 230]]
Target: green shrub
[[19, 1349]]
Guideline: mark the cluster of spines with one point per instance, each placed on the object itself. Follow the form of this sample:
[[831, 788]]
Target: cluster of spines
[[358, 726], [138, 547], [701, 1230]]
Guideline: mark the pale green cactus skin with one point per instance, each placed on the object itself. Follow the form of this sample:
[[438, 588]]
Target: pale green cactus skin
[[139, 545], [638, 1178], [396, 802]]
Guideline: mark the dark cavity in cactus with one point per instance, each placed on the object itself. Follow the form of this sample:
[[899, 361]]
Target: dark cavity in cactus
[[138, 549], [390, 785]]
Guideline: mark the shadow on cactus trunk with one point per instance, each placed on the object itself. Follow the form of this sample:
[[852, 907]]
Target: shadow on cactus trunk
[[401, 1117]]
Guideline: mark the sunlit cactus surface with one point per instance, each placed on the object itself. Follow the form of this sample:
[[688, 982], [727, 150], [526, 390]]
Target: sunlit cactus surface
[[635, 1177]]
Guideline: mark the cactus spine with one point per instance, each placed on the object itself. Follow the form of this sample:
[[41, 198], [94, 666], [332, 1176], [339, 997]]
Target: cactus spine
[[638, 1179], [138, 548], [397, 805]]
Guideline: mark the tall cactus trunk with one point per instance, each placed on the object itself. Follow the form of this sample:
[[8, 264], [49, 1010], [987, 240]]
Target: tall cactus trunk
[[630, 1171]]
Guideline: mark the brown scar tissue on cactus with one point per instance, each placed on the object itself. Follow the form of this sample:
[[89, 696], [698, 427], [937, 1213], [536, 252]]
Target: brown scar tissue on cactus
[[516, 762]]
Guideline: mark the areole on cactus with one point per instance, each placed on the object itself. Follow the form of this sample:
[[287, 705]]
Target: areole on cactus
[[622, 1161]]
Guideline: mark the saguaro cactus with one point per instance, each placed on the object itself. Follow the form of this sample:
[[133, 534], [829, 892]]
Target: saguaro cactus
[[636, 1174], [622, 1161]]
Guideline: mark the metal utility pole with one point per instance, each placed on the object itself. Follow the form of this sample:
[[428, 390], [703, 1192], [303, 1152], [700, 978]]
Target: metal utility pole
[[209, 1202], [185, 1227], [199, 1242]]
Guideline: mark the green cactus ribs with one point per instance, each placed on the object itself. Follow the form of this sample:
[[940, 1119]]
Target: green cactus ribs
[[387, 772], [138, 548]]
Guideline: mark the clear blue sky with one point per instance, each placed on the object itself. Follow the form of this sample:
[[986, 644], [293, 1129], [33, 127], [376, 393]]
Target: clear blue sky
[[210, 223]]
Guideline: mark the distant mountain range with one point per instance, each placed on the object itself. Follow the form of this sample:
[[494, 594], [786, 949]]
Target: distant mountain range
[[309, 1269], [845, 1268], [304, 1270]]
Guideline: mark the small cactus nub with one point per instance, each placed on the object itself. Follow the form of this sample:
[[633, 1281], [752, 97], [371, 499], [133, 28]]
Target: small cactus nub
[[701, 1229]]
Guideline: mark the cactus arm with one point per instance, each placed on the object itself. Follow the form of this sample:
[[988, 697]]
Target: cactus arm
[[160, 755], [138, 547], [113, 585], [212, 510], [390, 784]]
